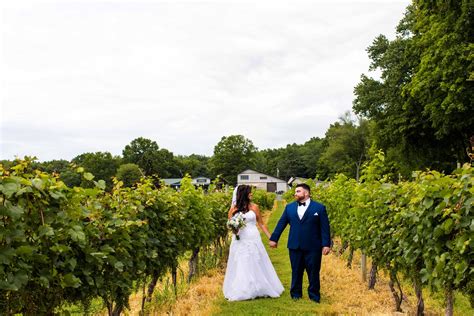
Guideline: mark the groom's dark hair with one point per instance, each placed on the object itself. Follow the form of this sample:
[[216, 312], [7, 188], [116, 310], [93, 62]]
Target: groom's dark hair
[[304, 186]]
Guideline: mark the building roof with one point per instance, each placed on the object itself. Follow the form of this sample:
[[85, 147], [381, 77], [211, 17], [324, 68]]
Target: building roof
[[177, 181], [250, 171], [297, 180], [172, 181]]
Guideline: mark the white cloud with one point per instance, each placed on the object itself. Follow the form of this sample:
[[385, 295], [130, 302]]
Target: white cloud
[[89, 76]]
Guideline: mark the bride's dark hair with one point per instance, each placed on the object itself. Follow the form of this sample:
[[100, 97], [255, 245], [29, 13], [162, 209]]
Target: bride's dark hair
[[243, 200]]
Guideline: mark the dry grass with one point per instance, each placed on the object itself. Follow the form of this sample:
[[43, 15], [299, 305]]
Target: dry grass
[[197, 300], [193, 298], [347, 293], [345, 290], [378, 301]]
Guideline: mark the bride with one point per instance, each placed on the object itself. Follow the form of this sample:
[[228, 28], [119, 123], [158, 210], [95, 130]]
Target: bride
[[249, 272]]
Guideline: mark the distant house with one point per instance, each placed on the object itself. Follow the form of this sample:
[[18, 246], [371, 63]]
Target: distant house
[[262, 181], [199, 181]]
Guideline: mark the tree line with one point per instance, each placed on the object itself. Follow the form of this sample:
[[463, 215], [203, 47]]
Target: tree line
[[318, 157]]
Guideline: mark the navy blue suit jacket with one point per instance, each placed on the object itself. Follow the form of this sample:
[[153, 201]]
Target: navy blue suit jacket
[[310, 233]]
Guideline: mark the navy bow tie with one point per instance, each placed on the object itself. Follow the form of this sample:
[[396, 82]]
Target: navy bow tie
[[301, 203]]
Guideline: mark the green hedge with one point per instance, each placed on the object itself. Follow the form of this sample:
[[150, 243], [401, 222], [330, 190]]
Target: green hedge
[[263, 199]]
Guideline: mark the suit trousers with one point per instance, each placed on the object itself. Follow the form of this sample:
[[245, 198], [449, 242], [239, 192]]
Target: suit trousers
[[309, 260]]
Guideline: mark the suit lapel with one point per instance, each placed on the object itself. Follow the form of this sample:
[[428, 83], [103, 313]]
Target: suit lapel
[[308, 210]]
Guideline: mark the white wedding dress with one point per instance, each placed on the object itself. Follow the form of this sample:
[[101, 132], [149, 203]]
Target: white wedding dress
[[250, 272]]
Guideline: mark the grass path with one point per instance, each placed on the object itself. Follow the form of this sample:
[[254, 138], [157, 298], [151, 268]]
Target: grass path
[[339, 291], [342, 291]]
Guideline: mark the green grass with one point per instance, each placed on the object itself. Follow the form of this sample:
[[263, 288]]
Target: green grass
[[284, 304]]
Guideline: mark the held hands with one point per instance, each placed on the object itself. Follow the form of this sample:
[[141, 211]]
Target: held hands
[[326, 250]]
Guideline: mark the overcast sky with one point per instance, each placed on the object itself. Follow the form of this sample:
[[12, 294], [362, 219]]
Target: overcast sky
[[86, 76]]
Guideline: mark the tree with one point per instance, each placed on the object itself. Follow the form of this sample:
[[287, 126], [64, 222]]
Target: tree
[[166, 164], [232, 155], [266, 161], [62, 167], [422, 104], [311, 152], [290, 162], [70, 178], [53, 166], [101, 164], [150, 158], [294, 160], [129, 174], [347, 146], [195, 165]]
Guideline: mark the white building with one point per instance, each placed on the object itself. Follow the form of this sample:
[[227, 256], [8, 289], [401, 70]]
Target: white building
[[262, 181]]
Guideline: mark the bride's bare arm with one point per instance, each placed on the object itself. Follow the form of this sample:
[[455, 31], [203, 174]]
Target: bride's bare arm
[[260, 220], [231, 211]]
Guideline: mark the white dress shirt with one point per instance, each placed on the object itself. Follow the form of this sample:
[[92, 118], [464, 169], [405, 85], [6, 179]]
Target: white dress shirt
[[302, 209]]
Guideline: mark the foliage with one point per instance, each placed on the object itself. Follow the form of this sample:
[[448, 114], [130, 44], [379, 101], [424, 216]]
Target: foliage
[[63, 168], [102, 164], [263, 199], [52, 166], [346, 148], [129, 174], [195, 165], [293, 160], [232, 155], [150, 158], [422, 104], [63, 245], [420, 228]]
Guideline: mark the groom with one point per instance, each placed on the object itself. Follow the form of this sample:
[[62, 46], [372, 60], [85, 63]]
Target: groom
[[309, 239]]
